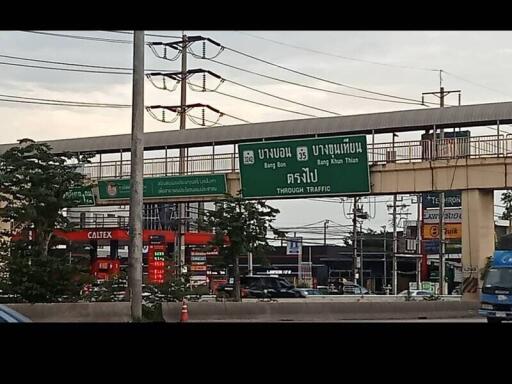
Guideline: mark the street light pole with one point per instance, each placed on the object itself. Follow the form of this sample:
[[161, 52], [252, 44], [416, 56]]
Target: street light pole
[[361, 255], [384, 227], [325, 232], [354, 240]]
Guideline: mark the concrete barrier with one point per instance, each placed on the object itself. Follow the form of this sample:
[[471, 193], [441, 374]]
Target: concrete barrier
[[75, 312], [320, 311], [355, 298]]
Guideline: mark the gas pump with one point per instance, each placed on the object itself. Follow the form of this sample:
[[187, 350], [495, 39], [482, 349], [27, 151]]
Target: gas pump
[[104, 268]]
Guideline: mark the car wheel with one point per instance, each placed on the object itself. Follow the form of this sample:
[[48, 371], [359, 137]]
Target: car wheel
[[494, 320]]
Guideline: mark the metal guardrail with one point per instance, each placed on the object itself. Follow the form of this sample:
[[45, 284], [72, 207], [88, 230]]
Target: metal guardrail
[[378, 153]]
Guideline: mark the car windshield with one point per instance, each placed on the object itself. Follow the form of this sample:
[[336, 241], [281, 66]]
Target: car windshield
[[499, 277]]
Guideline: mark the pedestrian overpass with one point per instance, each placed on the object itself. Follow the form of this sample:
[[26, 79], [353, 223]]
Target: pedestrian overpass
[[475, 165]]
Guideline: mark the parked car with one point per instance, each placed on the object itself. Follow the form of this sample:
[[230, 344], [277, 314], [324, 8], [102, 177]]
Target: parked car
[[310, 292], [328, 290], [416, 293], [8, 315], [354, 289], [457, 291], [261, 287]]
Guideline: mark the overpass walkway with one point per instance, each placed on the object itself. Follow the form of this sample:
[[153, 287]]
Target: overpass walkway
[[403, 152]]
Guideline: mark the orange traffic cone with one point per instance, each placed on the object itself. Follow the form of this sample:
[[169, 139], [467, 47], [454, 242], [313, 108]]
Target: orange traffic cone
[[184, 312]]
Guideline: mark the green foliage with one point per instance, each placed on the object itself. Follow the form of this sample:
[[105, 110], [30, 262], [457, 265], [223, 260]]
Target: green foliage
[[486, 267], [34, 189], [34, 279], [246, 224], [506, 198], [152, 313], [371, 239]]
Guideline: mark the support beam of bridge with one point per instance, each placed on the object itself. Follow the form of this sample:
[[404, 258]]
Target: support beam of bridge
[[477, 238], [441, 175]]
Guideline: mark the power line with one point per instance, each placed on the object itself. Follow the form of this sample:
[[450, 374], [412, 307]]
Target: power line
[[282, 98], [79, 37], [199, 88], [58, 104], [63, 69], [319, 78], [258, 103], [68, 101], [127, 69], [264, 105], [472, 82], [127, 73], [236, 118], [312, 87], [339, 56], [66, 63]]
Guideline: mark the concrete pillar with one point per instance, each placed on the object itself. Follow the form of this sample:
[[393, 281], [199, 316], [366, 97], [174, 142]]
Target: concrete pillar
[[477, 238], [233, 183], [114, 249]]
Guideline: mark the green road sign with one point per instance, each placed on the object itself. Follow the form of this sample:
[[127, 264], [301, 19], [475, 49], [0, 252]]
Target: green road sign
[[169, 186], [307, 167], [82, 196]]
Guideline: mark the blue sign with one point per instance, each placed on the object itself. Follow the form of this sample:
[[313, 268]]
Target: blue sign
[[431, 247], [502, 259], [294, 246], [451, 199]]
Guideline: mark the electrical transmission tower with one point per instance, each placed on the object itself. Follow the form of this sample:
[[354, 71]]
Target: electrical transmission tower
[[183, 110]]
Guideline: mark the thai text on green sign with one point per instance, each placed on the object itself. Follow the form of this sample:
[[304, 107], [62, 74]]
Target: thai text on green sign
[[307, 167], [168, 186], [82, 196]]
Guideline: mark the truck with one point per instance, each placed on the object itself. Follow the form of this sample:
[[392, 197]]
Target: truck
[[496, 295]]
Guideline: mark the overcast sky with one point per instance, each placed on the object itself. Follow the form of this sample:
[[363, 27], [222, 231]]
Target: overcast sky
[[482, 59]]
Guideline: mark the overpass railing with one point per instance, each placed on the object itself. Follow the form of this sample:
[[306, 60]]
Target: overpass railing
[[378, 153]]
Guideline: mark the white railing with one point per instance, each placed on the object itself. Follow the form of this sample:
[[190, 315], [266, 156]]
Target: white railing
[[378, 153]]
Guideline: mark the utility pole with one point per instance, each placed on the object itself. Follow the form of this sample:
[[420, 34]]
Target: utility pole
[[361, 254], [136, 188], [384, 227], [395, 247], [395, 240], [325, 233], [441, 208], [182, 165], [418, 244], [439, 151], [354, 239]]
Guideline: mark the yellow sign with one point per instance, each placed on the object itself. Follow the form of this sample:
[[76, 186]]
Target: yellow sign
[[451, 231]]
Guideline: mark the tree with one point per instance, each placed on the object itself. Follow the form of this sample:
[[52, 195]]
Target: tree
[[35, 188], [506, 198], [241, 227]]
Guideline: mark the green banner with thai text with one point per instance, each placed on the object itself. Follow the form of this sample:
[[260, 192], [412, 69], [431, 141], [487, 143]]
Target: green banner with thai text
[[168, 186]]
